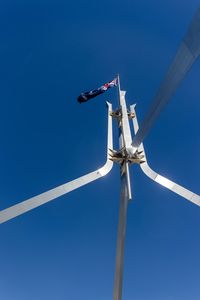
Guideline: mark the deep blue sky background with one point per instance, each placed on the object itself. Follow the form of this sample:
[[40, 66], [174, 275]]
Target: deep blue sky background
[[50, 51]]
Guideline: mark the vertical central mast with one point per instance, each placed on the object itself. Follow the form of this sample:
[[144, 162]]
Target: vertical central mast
[[125, 141]]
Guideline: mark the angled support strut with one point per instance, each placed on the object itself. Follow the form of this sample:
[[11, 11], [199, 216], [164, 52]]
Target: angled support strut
[[169, 184], [25, 206]]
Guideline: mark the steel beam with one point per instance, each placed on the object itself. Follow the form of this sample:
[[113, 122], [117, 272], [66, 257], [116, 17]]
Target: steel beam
[[169, 184], [25, 206], [124, 142], [124, 199]]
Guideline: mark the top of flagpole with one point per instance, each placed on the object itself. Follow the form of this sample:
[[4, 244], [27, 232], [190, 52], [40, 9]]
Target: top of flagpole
[[118, 81], [118, 84]]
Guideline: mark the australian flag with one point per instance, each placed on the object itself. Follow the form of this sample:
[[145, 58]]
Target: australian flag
[[84, 97]]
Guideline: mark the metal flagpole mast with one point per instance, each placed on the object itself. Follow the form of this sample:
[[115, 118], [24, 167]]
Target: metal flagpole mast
[[125, 195], [131, 151]]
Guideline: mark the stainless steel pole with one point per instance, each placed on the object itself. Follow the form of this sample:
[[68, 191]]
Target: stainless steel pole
[[118, 281], [124, 198]]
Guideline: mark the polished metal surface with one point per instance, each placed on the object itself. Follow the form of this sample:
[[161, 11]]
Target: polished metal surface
[[124, 142], [125, 137], [187, 54], [124, 199], [63, 189], [169, 184], [125, 122]]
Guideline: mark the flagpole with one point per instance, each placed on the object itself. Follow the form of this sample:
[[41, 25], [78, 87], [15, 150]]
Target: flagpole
[[125, 195], [119, 88]]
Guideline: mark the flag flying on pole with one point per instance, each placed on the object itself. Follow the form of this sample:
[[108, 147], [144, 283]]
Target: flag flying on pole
[[84, 97]]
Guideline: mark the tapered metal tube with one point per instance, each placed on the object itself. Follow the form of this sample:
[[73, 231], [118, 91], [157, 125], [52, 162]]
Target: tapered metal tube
[[124, 198], [124, 140]]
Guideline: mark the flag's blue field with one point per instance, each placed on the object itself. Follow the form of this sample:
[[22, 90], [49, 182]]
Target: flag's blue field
[[50, 52]]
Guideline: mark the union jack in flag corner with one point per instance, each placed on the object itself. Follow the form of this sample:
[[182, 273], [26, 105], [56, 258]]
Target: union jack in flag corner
[[84, 97]]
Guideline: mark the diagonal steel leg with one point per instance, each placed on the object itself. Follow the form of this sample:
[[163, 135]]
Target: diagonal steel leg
[[174, 187], [52, 194]]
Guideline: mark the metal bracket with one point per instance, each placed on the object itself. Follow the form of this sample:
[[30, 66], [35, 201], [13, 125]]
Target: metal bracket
[[117, 114], [122, 156]]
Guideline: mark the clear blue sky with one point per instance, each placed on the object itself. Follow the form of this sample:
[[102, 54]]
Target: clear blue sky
[[50, 51]]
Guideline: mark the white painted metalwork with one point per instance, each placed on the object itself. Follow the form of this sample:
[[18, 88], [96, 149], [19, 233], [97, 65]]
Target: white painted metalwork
[[25, 206], [169, 184], [125, 141], [130, 151]]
